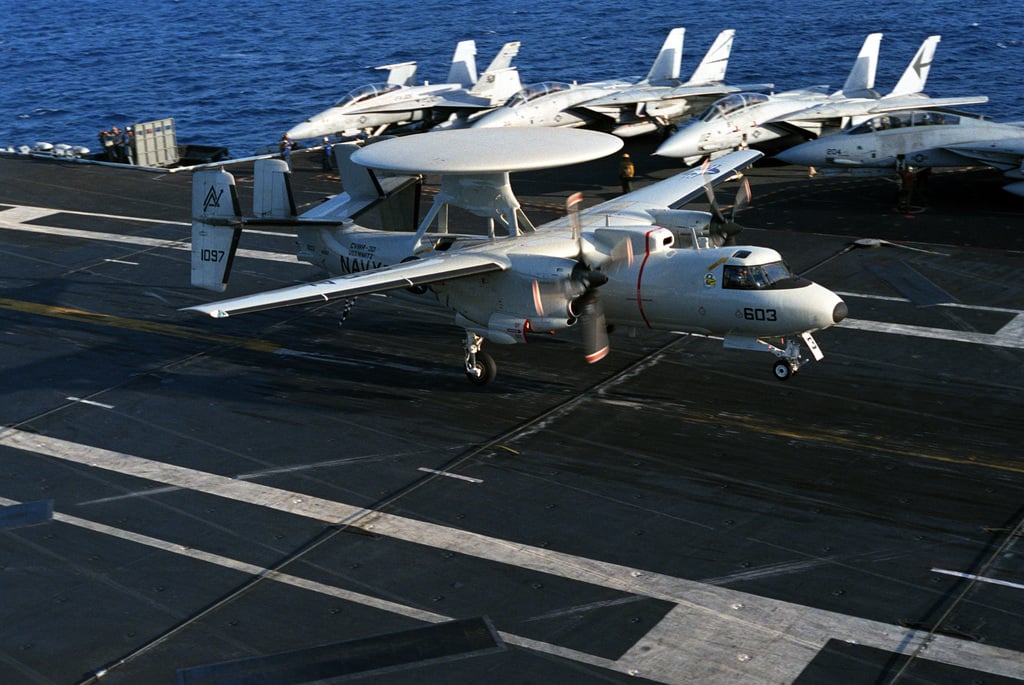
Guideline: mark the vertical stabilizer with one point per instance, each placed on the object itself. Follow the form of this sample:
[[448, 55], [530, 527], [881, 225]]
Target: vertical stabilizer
[[916, 74], [357, 180], [712, 68], [463, 69], [498, 86], [401, 74], [216, 226], [272, 190], [666, 64], [503, 60], [862, 76]]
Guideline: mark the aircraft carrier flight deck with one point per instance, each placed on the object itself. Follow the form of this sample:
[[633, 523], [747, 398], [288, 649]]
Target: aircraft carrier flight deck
[[317, 494]]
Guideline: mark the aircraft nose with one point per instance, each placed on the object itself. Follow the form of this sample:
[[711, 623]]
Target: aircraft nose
[[803, 154], [682, 143], [307, 129], [839, 312]]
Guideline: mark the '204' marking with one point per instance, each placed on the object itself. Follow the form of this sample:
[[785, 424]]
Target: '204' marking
[[758, 314]]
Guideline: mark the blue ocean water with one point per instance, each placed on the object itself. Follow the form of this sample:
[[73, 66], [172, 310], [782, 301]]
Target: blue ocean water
[[238, 73]]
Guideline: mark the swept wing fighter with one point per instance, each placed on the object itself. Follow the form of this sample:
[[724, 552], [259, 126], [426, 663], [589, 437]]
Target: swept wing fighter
[[624, 107], [780, 120], [838, 112], [373, 108], [636, 261], [925, 138], [663, 99]]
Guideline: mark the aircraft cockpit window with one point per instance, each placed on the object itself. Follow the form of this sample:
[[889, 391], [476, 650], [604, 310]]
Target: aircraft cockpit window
[[535, 91], [364, 92], [935, 119], [886, 122], [731, 103], [757, 276]]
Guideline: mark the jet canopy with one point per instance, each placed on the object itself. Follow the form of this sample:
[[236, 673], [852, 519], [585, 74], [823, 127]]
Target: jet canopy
[[731, 103], [536, 90], [886, 122], [365, 92], [769, 276]]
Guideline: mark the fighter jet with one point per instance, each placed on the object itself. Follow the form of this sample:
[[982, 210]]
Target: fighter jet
[[663, 99], [624, 107], [772, 122], [925, 138], [372, 109]]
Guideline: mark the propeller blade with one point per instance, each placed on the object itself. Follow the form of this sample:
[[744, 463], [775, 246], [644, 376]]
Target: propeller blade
[[742, 198], [595, 329], [716, 211], [572, 208]]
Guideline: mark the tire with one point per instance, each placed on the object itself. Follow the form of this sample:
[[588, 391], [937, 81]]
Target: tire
[[486, 369], [782, 370]]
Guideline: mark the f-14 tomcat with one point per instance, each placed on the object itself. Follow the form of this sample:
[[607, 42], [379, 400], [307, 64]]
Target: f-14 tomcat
[[636, 262]]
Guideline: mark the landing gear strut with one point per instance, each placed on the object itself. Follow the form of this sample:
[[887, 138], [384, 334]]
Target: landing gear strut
[[480, 366], [789, 361]]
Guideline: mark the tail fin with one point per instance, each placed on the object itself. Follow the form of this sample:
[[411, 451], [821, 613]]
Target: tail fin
[[216, 227], [503, 60], [463, 69], [712, 68], [916, 74], [401, 74], [272, 190], [501, 80], [666, 64], [862, 76], [498, 86]]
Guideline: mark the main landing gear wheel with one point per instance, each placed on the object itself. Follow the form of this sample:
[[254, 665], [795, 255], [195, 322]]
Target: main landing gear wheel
[[481, 370], [783, 369]]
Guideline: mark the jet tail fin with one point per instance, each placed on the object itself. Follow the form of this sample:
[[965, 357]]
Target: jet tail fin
[[916, 73], [666, 64], [463, 69], [503, 60], [712, 68], [862, 75], [401, 74], [501, 80], [216, 227]]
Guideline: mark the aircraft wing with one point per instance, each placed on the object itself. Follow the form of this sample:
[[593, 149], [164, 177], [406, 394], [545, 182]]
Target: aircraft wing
[[438, 266], [678, 190], [1002, 154], [462, 100], [859, 107], [904, 102], [634, 96]]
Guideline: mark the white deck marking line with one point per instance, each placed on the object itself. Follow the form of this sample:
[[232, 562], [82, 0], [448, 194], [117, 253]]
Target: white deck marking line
[[90, 402], [138, 240], [313, 586], [1010, 335], [752, 639], [24, 213], [952, 305], [980, 579], [449, 474]]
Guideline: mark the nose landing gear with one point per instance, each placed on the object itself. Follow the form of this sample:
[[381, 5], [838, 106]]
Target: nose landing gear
[[480, 366]]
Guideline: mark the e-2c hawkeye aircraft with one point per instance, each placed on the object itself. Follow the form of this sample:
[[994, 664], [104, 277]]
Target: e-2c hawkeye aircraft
[[636, 261]]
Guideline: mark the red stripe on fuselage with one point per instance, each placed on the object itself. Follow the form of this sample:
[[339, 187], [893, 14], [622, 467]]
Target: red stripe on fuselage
[[640, 277]]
